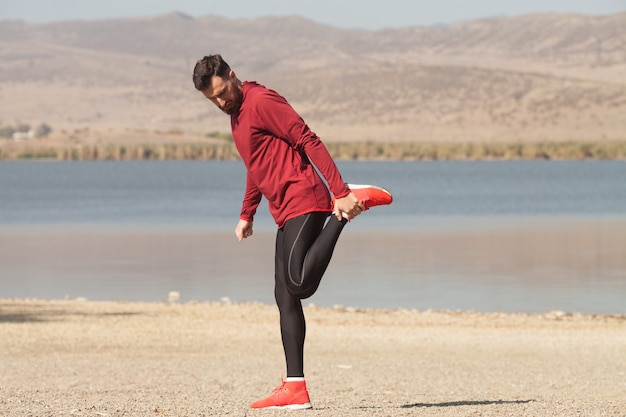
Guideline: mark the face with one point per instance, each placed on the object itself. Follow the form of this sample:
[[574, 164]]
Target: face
[[225, 93]]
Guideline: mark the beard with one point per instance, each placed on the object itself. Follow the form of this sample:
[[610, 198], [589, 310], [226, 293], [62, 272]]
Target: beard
[[236, 103]]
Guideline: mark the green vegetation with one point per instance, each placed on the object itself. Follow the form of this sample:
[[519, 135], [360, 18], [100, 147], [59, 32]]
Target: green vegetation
[[40, 131], [149, 152], [36, 155], [7, 132], [479, 151], [220, 135], [340, 151]]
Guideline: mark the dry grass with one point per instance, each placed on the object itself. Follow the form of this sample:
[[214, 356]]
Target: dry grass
[[401, 151]]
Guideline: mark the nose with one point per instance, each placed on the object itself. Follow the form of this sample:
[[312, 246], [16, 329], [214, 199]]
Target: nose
[[221, 101]]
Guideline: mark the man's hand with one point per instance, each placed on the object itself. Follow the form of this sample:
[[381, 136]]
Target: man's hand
[[243, 229], [349, 205]]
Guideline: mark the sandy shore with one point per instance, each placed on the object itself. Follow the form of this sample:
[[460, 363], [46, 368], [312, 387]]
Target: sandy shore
[[87, 358]]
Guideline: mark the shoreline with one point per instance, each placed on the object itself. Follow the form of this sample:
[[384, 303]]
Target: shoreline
[[453, 315]]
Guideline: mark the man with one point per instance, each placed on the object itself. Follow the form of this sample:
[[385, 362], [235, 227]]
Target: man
[[281, 155]]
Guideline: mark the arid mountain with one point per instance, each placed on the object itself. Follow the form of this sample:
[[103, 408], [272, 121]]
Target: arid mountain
[[544, 77]]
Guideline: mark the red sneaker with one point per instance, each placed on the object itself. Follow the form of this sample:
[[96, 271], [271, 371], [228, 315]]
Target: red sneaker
[[371, 195], [291, 395]]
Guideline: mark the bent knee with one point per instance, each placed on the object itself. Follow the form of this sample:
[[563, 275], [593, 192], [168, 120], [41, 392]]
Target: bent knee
[[301, 292]]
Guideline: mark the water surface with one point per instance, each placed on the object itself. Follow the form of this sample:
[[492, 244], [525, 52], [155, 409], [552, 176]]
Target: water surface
[[510, 236]]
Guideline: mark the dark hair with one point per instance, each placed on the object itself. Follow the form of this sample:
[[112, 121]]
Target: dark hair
[[208, 67]]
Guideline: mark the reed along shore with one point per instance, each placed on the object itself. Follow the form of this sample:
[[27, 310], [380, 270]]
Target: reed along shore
[[401, 151]]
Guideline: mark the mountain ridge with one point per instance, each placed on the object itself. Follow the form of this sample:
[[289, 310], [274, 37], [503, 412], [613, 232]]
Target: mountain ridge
[[538, 77]]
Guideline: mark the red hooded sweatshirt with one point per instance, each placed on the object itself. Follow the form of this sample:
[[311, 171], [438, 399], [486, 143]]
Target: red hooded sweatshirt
[[277, 148]]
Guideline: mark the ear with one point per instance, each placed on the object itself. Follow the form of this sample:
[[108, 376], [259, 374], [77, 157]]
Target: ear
[[232, 75]]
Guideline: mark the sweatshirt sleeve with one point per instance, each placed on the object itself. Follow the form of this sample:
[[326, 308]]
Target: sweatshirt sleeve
[[251, 200], [285, 123]]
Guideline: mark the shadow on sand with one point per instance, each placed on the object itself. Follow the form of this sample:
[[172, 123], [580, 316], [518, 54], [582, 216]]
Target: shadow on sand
[[25, 313], [462, 403]]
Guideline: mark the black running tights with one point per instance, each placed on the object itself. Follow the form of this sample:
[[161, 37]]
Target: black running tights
[[304, 247]]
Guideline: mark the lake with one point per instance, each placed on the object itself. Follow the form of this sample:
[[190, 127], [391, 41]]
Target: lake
[[528, 236]]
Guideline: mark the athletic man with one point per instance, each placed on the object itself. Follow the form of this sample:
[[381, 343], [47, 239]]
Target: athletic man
[[281, 155]]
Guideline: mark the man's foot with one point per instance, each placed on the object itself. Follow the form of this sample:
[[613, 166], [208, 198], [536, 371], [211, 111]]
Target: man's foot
[[291, 395], [371, 195]]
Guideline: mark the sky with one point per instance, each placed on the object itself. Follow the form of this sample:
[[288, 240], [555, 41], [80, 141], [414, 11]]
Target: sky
[[363, 14]]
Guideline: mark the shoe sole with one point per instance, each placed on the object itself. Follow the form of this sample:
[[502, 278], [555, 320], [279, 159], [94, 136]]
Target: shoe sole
[[304, 406], [362, 186]]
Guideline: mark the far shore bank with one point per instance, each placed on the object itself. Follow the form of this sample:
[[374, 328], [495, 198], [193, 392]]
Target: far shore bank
[[390, 151]]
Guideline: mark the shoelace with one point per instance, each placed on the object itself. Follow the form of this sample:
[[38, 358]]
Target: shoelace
[[280, 388]]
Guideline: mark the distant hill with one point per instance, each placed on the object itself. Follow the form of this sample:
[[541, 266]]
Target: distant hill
[[539, 77]]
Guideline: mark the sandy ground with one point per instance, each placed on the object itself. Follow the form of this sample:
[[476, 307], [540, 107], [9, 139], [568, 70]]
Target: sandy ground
[[88, 358]]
